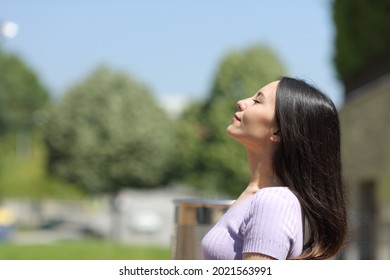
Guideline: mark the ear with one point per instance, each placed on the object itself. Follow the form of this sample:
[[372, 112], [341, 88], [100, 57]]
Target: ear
[[275, 136]]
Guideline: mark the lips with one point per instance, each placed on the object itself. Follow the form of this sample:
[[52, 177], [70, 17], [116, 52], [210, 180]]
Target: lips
[[236, 117]]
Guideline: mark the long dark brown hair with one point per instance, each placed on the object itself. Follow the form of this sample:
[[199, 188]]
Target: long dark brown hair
[[308, 161]]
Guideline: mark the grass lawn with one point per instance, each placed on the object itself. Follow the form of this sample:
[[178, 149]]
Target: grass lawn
[[88, 250]]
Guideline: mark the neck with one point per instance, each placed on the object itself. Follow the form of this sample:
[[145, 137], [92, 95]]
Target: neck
[[261, 172]]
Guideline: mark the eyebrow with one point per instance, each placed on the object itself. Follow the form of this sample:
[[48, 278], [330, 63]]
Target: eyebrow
[[259, 94]]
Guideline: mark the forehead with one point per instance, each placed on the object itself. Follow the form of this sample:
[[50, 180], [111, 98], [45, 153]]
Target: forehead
[[268, 91]]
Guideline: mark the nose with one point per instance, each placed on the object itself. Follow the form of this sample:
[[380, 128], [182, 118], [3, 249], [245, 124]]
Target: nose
[[242, 104]]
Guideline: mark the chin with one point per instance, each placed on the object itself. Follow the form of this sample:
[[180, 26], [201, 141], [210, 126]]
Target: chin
[[230, 133]]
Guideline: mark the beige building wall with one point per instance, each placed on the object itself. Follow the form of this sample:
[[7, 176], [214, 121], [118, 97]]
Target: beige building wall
[[365, 132]]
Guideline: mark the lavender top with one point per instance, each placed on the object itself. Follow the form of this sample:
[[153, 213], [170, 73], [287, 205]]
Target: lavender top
[[269, 222]]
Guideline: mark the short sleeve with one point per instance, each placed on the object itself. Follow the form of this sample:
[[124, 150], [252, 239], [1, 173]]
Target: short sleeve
[[274, 224]]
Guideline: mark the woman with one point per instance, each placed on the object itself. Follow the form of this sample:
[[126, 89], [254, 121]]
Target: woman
[[291, 133]]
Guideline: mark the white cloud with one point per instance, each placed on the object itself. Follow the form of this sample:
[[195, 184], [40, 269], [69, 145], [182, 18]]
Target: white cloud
[[173, 103]]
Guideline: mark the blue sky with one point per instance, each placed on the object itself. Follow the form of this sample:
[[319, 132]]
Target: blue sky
[[172, 46]]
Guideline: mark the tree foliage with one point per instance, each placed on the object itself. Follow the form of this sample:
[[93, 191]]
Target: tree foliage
[[220, 162], [108, 133], [22, 95], [362, 34]]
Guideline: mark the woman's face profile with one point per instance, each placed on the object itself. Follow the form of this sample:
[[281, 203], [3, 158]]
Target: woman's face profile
[[254, 122]]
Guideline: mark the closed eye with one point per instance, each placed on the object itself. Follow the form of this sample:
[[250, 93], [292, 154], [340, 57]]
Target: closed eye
[[256, 101]]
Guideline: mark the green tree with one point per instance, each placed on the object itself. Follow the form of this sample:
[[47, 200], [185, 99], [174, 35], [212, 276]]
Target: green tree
[[108, 133], [189, 135], [22, 95], [362, 35], [220, 164]]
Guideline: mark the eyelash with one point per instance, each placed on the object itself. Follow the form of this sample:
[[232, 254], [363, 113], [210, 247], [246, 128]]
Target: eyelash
[[256, 101]]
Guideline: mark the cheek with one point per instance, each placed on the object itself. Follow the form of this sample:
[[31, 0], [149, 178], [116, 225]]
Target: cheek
[[256, 120], [258, 126]]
